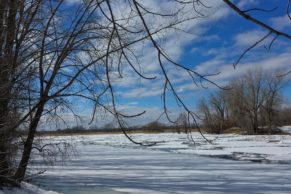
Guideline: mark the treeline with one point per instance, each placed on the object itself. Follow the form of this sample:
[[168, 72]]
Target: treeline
[[151, 127], [252, 103]]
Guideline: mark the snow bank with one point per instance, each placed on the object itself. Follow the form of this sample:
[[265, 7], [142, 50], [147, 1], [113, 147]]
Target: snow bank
[[26, 188], [286, 128]]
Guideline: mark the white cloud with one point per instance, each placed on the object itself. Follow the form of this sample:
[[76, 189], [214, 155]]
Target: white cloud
[[246, 3], [248, 38], [142, 92], [73, 1], [281, 22], [173, 43], [274, 62]]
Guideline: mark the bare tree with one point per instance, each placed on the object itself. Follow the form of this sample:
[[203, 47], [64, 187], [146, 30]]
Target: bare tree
[[250, 91], [271, 106], [215, 111], [251, 102], [72, 52], [182, 122], [206, 116], [236, 103], [219, 104], [16, 19], [254, 98]]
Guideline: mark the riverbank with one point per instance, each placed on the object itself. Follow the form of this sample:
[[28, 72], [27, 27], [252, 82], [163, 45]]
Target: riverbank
[[26, 188]]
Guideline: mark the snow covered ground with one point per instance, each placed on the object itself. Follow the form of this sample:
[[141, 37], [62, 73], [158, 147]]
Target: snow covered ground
[[256, 148], [26, 189], [286, 128], [110, 164]]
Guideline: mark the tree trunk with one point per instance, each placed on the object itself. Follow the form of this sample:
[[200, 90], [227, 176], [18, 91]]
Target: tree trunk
[[21, 170], [7, 35], [270, 122], [255, 124]]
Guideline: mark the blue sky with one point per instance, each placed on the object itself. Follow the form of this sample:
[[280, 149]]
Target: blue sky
[[210, 45]]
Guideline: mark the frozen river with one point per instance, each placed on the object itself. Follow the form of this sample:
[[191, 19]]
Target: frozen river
[[101, 168]]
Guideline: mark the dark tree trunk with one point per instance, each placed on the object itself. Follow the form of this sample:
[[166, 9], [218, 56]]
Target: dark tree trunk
[[21, 170], [8, 10], [255, 123]]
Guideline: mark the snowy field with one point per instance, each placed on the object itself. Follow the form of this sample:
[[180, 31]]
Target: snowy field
[[110, 164], [26, 188]]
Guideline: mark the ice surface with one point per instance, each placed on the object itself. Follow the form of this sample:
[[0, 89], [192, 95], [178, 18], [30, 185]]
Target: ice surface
[[264, 148], [110, 164]]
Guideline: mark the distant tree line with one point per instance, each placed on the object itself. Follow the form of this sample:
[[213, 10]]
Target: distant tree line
[[153, 126], [181, 125], [251, 102]]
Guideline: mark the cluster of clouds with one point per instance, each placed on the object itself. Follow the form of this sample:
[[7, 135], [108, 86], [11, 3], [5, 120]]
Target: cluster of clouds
[[173, 43], [219, 58], [192, 37]]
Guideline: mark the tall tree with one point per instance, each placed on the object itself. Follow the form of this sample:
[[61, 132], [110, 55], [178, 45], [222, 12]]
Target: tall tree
[[62, 52], [16, 18], [274, 85], [254, 98], [214, 111]]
